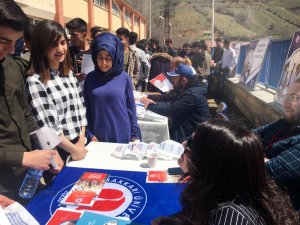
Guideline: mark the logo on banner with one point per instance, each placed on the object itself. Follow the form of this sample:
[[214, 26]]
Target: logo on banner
[[120, 196]]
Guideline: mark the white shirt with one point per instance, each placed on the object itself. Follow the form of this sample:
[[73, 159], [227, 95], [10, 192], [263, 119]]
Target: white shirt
[[228, 59]]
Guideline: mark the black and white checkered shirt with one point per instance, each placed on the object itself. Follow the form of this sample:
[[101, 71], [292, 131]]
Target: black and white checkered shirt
[[58, 104]]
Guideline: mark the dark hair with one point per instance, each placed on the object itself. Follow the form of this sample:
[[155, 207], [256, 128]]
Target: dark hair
[[186, 45], [227, 164], [204, 46], [77, 24], [142, 44], [95, 30], [169, 40], [122, 31], [226, 41], [154, 41], [218, 39], [45, 36], [12, 16], [133, 36], [196, 44], [28, 32]]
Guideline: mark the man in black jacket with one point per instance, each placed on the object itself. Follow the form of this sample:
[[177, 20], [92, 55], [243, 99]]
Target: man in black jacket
[[186, 106]]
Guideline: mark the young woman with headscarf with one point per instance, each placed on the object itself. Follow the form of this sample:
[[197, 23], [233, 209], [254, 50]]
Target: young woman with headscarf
[[111, 111]]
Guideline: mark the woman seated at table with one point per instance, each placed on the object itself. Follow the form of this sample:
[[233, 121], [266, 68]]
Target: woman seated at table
[[111, 110], [227, 182]]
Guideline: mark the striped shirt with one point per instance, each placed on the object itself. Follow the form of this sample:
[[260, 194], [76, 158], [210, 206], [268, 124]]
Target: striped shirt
[[58, 104], [230, 213]]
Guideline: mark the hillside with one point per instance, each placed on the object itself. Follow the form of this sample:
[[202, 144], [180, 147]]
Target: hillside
[[235, 19]]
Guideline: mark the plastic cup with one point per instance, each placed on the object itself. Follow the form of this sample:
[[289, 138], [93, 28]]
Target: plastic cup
[[152, 159]]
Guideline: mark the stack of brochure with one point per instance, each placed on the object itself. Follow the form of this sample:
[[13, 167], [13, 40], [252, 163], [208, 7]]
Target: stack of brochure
[[167, 150], [85, 190]]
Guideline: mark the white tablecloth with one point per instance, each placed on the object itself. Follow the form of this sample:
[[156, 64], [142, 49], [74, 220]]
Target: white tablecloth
[[99, 157]]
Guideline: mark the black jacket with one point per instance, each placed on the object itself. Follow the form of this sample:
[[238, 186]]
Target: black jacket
[[16, 122], [186, 109]]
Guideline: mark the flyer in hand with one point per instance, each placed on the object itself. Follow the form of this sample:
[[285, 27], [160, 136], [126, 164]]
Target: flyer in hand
[[162, 83], [85, 189]]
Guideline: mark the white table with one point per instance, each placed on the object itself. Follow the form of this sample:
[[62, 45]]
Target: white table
[[154, 131], [99, 157]]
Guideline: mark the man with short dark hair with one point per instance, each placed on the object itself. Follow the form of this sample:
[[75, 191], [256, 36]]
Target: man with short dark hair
[[281, 140], [218, 51], [80, 45], [16, 120], [228, 60], [96, 31], [131, 57], [171, 51], [197, 57], [144, 63], [186, 105]]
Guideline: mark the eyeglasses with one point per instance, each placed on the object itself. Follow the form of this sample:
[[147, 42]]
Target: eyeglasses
[[106, 59], [288, 98]]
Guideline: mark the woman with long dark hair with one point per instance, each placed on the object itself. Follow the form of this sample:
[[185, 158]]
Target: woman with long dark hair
[[227, 182], [53, 91]]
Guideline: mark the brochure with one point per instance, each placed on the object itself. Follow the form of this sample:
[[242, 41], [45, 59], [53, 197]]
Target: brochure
[[64, 216], [167, 150], [15, 214], [85, 189], [97, 219], [162, 83], [161, 177]]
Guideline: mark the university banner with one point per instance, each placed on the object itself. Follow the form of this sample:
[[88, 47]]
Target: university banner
[[125, 194], [253, 62], [291, 68]]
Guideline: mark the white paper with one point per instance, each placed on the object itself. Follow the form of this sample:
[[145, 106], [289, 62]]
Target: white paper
[[3, 218], [87, 64], [18, 215]]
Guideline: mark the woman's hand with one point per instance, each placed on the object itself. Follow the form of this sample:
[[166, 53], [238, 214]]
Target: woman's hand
[[79, 153], [4, 201]]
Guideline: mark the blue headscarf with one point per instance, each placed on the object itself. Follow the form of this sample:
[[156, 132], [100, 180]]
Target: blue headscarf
[[113, 45]]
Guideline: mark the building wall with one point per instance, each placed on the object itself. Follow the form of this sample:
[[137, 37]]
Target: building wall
[[43, 9], [100, 17], [46, 9], [75, 8], [116, 23]]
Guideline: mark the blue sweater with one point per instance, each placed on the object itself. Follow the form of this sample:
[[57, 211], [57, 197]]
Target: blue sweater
[[111, 111]]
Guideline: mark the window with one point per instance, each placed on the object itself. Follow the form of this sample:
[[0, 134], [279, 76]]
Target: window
[[101, 3], [127, 16], [115, 9], [136, 21]]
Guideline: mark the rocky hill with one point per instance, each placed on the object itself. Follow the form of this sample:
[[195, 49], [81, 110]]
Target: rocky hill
[[235, 19]]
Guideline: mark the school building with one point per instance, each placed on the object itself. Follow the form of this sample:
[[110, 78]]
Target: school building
[[109, 14]]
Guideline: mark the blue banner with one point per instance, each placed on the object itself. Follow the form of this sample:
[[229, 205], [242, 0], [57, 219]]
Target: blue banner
[[128, 195]]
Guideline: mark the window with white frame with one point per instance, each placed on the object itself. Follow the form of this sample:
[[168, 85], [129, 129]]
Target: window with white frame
[[136, 21], [127, 15], [101, 3], [115, 9]]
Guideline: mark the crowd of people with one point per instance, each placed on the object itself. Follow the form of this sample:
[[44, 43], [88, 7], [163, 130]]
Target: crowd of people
[[234, 176]]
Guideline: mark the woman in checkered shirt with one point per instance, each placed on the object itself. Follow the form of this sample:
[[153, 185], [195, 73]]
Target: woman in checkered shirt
[[53, 91]]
